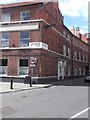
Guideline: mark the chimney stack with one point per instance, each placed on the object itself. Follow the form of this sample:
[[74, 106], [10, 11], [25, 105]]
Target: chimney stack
[[78, 32], [73, 30]]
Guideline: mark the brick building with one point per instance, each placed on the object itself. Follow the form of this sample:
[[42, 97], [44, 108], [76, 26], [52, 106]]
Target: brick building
[[34, 41]]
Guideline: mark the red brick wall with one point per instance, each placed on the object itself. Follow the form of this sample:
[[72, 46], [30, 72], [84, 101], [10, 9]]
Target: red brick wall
[[47, 61], [15, 12], [14, 39], [12, 66], [35, 36]]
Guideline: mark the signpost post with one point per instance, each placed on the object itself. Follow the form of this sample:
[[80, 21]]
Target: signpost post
[[33, 62]]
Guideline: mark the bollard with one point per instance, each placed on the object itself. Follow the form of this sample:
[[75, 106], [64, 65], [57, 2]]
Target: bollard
[[11, 85], [30, 80]]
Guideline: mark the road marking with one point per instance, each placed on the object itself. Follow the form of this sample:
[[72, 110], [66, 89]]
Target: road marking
[[78, 114]]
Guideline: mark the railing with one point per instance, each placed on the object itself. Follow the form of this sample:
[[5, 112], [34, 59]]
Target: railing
[[19, 22]]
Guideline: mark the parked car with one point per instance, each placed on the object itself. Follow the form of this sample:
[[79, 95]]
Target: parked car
[[87, 78]]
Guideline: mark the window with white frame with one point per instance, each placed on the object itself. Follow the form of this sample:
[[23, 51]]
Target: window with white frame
[[5, 39], [3, 66], [24, 38], [75, 71], [23, 67], [83, 57], [25, 15], [68, 37], [69, 52], [6, 17], [79, 56], [68, 70], [64, 33], [83, 70], [80, 71], [75, 55], [87, 58], [64, 50]]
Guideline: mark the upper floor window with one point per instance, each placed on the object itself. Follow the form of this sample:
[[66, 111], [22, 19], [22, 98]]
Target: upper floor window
[[87, 58], [64, 50], [79, 56], [6, 17], [5, 39], [24, 38], [75, 55], [64, 33], [83, 57], [68, 37], [68, 52], [25, 15]]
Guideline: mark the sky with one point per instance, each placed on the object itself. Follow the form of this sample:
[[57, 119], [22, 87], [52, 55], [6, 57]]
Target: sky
[[75, 12]]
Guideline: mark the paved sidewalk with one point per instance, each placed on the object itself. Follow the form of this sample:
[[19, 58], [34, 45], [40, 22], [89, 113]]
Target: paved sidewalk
[[5, 87]]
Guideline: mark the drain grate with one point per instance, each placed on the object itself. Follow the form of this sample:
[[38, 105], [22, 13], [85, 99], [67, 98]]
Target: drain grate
[[7, 111]]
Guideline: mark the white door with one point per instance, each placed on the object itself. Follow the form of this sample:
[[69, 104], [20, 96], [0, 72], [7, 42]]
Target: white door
[[61, 69]]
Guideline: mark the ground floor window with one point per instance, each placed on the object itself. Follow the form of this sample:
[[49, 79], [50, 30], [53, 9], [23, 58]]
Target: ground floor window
[[68, 69], [3, 66], [83, 71], [23, 67], [75, 71], [80, 71]]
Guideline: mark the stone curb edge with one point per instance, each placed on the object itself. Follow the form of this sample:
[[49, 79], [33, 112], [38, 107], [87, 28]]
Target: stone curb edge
[[26, 89]]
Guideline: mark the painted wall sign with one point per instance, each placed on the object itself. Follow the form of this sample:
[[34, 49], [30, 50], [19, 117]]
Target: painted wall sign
[[39, 45]]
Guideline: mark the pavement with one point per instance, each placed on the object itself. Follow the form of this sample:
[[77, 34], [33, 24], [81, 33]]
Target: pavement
[[5, 87]]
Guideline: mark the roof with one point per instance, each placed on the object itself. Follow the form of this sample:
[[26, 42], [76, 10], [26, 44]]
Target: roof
[[18, 4]]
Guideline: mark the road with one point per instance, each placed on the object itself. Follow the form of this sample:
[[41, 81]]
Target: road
[[65, 100]]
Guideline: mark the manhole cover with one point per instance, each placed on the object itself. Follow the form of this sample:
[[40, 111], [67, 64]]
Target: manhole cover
[[7, 111]]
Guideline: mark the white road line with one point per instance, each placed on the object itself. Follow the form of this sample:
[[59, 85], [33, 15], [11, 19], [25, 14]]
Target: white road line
[[78, 114]]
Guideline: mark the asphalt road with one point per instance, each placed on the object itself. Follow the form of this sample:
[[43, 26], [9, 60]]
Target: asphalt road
[[63, 100]]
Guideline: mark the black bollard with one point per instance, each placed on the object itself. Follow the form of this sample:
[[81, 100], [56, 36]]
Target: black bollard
[[30, 80], [11, 85]]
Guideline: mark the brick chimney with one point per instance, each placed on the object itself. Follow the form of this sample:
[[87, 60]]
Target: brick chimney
[[73, 30], [78, 32]]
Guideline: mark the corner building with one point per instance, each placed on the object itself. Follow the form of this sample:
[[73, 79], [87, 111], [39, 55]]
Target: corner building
[[35, 42]]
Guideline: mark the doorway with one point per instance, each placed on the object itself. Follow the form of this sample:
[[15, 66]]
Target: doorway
[[61, 69]]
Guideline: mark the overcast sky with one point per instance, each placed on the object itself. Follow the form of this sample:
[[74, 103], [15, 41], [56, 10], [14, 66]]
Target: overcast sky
[[75, 12]]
